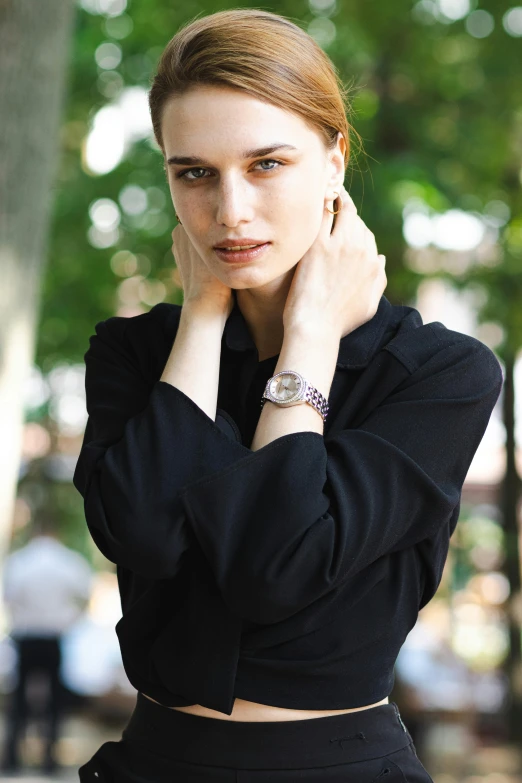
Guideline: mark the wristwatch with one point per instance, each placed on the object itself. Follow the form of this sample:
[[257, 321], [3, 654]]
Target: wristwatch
[[289, 387]]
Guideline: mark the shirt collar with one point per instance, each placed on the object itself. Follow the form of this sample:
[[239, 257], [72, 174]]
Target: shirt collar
[[355, 349]]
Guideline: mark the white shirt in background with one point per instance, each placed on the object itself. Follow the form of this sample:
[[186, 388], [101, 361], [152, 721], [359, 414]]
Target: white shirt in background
[[45, 584]]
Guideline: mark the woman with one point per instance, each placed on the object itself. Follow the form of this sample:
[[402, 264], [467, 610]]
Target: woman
[[272, 558]]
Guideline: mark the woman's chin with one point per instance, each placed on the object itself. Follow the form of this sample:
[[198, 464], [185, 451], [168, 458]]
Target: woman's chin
[[244, 276]]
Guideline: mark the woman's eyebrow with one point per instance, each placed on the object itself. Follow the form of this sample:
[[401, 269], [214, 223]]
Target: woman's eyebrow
[[255, 153]]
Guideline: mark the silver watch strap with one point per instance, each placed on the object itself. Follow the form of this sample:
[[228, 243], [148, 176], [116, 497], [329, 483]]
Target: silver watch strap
[[318, 400]]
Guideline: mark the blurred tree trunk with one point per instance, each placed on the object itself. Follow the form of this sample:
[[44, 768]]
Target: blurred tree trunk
[[510, 493], [34, 55]]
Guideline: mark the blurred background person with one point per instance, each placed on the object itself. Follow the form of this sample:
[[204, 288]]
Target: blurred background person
[[46, 588]]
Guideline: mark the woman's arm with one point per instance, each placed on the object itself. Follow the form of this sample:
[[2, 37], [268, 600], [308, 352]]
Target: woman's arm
[[295, 519], [314, 355], [336, 287], [193, 363], [146, 441]]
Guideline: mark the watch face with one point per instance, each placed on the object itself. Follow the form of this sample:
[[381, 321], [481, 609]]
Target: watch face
[[285, 387]]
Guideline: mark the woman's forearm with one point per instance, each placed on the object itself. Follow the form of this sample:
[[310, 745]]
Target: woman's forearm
[[194, 360], [193, 363], [314, 355]]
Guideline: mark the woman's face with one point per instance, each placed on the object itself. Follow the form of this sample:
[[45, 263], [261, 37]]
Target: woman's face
[[234, 190]]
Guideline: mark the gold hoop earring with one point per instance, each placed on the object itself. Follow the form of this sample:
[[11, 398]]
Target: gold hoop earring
[[177, 218], [337, 211]]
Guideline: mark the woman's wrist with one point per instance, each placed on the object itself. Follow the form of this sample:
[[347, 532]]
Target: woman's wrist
[[312, 352], [314, 327], [313, 355]]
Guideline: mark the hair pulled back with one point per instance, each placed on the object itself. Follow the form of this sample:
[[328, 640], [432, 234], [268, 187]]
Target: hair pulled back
[[261, 53]]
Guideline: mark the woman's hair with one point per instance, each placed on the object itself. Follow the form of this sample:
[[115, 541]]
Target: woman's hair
[[261, 53]]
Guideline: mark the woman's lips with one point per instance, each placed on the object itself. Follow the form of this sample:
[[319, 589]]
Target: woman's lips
[[241, 256]]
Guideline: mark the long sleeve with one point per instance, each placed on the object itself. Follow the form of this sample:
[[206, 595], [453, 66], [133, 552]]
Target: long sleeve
[[293, 520], [143, 442]]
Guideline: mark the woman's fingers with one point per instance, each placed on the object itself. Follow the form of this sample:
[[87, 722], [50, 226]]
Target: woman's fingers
[[360, 233], [348, 202]]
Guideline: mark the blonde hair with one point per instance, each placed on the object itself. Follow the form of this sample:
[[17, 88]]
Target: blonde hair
[[261, 53]]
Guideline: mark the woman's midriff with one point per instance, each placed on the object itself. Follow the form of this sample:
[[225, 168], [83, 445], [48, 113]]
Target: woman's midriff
[[252, 711]]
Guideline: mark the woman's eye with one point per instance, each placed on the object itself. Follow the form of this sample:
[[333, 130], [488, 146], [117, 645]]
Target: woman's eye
[[269, 160], [185, 174]]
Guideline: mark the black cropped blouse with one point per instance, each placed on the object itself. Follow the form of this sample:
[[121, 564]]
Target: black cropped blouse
[[291, 575]]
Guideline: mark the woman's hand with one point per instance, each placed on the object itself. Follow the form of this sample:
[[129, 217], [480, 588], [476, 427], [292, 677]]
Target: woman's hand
[[200, 286], [339, 281]]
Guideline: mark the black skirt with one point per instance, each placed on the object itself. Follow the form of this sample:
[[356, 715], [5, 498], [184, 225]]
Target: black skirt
[[161, 745]]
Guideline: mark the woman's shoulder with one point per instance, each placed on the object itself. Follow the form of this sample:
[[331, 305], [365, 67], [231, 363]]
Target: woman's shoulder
[[143, 340], [415, 343], [163, 316]]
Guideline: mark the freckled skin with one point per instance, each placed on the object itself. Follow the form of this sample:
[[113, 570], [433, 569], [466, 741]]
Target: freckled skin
[[284, 205], [280, 200]]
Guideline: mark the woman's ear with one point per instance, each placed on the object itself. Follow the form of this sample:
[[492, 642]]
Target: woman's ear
[[336, 168]]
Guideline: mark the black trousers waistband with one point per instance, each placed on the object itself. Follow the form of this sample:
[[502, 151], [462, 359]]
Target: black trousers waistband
[[334, 739]]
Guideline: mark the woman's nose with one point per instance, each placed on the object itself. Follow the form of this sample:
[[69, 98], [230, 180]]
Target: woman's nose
[[232, 204]]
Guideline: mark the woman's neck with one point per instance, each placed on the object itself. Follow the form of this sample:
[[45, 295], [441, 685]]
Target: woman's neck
[[262, 308]]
